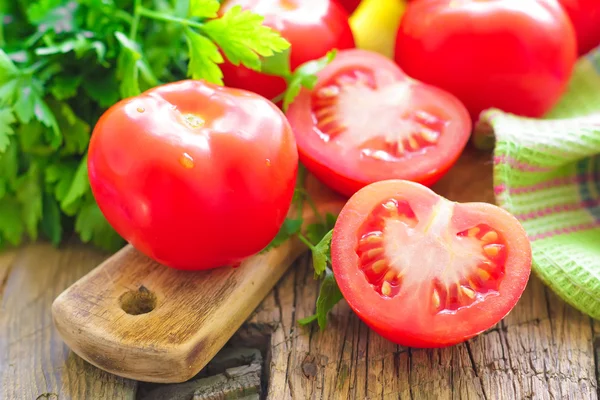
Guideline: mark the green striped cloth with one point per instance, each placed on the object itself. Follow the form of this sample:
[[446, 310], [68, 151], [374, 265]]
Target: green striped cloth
[[547, 174]]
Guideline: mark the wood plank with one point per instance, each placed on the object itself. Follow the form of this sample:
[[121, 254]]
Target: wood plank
[[34, 362], [542, 349]]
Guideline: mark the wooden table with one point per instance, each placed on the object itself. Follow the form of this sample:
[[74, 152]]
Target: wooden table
[[544, 349]]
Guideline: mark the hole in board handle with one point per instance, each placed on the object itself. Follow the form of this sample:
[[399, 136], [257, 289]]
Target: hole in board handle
[[136, 302]]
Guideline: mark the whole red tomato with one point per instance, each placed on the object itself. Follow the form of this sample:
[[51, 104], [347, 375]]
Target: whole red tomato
[[313, 27], [585, 16], [516, 56], [194, 175]]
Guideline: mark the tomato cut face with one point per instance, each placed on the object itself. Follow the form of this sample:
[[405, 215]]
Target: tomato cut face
[[366, 121], [423, 271]]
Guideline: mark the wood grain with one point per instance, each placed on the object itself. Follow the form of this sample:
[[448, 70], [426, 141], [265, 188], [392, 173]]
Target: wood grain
[[542, 350], [194, 316], [34, 362]]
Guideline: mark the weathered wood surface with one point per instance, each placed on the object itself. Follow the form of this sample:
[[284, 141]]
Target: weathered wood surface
[[34, 362], [543, 349]]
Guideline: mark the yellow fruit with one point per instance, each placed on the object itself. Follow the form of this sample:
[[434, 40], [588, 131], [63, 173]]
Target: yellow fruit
[[375, 23]]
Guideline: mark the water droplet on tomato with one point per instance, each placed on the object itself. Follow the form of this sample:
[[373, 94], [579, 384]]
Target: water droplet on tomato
[[268, 162], [186, 161], [194, 121], [141, 109]]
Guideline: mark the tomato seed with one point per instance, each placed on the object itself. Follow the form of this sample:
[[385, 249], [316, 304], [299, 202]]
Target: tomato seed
[[491, 250], [386, 288], [412, 143], [473, 231], [470, 293], [489, 237], [379, 266]]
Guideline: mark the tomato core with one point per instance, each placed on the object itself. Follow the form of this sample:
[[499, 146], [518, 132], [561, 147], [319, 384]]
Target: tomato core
[[459, 268], [343, 109]]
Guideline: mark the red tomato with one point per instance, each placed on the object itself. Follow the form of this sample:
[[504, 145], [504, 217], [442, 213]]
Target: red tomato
[[313, 27], [585, 16], [350, 5], [423, 271], [515, 56], [366, 121], [194, 175]]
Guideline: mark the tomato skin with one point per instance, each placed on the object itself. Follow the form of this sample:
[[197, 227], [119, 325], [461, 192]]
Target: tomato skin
[[347, 174], [200, 194], [350, 5], [313, 27], [420, 328], [585, 16], [516, 56]]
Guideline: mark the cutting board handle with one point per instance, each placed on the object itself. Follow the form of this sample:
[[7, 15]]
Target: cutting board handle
[[138, 319]]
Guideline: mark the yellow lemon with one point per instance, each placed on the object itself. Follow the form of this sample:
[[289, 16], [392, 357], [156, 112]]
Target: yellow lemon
[[375, 23]]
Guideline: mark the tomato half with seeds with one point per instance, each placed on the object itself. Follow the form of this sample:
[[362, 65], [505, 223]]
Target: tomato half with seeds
[[366, 121], [313, 27], [423, 271], [194, 175]]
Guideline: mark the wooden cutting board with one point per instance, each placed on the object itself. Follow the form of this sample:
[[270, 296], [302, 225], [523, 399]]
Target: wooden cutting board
[[138, 319]]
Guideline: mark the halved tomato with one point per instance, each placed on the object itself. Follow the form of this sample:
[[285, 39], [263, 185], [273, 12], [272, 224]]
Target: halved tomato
[[423, 271], [366, 121]]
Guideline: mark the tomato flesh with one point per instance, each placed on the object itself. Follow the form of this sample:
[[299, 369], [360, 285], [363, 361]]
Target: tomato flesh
[[458, 268], [366, 121], [515, 56], [313, 27], [194, 175]]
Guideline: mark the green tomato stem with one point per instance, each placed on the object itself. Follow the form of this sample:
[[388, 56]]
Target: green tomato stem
[[307, 242]]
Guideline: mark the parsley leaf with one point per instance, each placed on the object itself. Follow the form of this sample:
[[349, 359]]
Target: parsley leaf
[[329, 296], [65, 86], [204, 8], [243, 38], [8, 168], [6, 120], [77, 189], [305, 76], [11, 226], [321, 255], [51, 219], [93, 227], [103, 88], [204, 57], [58, 178], [75, 131], [127, 66], [29, 194]]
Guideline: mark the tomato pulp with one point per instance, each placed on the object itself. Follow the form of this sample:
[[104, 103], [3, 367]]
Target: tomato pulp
[[194, 175], [515, 56], [313, 27], [585, 16], [423, 271], [366, 121]]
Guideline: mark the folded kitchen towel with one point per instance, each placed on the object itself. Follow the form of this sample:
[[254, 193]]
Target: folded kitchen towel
[[547, 174]]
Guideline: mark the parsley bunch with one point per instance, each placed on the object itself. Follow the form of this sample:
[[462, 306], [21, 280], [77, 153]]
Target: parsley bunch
[[63, 62]]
